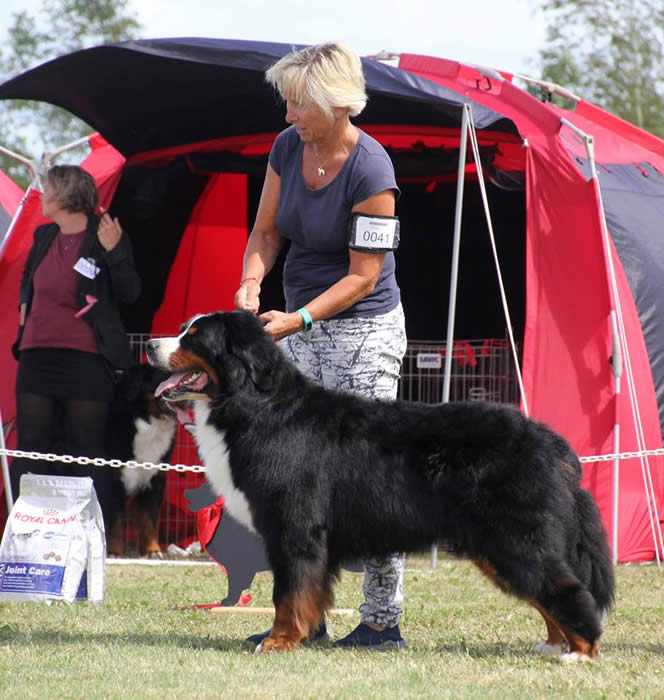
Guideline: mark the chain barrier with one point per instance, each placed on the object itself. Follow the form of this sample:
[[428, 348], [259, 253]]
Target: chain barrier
[[623, 455], [101, 462], [200, 469]]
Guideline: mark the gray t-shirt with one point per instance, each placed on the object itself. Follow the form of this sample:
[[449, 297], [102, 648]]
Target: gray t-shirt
[[315, 222]]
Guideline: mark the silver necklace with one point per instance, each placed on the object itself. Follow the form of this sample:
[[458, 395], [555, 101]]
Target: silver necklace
[[321, 167]]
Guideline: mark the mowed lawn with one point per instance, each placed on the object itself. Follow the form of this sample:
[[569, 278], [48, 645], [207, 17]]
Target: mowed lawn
[[466, 640]]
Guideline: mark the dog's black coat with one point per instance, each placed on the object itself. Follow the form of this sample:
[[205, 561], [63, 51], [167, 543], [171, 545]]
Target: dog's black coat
[[331, 476]]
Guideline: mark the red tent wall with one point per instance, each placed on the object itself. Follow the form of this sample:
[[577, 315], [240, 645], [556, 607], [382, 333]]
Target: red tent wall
[[567, 342], [207, 268]]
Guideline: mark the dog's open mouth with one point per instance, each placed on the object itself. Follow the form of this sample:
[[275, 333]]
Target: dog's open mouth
[[183, 385], [180, 389]]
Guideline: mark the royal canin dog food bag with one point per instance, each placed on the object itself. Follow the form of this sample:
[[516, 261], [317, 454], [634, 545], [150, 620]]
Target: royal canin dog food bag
[[54, 545]]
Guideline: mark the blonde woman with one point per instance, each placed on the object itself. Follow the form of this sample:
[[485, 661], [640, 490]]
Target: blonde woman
[[343, 325]]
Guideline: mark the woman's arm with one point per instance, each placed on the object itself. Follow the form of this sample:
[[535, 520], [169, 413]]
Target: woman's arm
[[263, 246], [363, 272], [125, 281], [119, 255]]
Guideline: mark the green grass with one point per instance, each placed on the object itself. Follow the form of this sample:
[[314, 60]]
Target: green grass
[[466, 640]]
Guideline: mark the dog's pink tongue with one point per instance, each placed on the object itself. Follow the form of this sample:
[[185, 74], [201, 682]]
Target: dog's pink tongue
[[172, 381], [185, 416]]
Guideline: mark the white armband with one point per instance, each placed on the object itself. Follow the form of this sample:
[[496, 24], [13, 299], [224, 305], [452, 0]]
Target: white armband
[[372, 233]]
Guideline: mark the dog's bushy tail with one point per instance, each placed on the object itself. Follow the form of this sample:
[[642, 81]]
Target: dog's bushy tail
[[593, 557]]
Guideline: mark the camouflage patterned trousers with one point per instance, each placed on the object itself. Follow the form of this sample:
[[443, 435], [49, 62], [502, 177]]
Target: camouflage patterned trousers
[[362, 356]]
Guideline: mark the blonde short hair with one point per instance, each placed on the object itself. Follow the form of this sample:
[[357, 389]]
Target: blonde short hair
[[329, 75], [74, 189]]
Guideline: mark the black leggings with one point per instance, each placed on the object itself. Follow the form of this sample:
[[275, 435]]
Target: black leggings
[[63, 426]]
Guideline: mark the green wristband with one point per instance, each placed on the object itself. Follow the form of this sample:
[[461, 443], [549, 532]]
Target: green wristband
[[306, 317]]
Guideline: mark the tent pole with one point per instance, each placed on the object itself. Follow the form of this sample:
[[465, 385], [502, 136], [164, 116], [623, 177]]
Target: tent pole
[[616, 365], [616, 368], [620, 353], [508, 319], [451, 309], [32, 167], [5, 469]]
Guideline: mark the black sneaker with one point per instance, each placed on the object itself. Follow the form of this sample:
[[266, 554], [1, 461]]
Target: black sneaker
[[366, 637], [319, 636]]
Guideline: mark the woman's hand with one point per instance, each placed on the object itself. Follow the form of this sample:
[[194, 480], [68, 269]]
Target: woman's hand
[[109, 231], [247, 296], [279, 324]]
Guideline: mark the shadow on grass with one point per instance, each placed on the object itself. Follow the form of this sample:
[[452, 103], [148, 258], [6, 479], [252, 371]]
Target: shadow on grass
[[13, 638], [496, 650], [54, 637]]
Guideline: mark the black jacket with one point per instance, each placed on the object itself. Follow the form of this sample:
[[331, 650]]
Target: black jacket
[[116, 283]]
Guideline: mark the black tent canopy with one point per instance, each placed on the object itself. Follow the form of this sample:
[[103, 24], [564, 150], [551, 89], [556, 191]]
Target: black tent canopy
[[162, 95], [151, 94]]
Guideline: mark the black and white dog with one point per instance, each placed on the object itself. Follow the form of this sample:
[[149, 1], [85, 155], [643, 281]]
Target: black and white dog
[[141, 428], [325, 477]]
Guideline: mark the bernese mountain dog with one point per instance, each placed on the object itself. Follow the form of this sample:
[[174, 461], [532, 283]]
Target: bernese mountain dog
[[325, 476], [140, 428]]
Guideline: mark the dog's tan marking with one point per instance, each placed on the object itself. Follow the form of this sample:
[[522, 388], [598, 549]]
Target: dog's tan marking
[[148, 538], [555, 635], [490, 572], [295, 618], [288, 629], [567, 467], [182, 360], [115, 538], [558, 633]]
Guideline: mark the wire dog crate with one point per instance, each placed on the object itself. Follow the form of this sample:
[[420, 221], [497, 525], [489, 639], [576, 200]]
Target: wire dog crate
[[481, 370]]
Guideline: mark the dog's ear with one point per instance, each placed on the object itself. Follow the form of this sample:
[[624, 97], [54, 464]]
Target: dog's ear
[[257, 352]]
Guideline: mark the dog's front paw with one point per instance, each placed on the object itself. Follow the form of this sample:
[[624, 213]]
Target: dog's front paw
[[270, 644]]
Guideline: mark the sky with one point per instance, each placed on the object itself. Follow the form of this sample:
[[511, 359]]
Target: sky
[[502, 34]]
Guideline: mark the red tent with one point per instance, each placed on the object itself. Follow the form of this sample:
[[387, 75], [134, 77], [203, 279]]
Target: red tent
[[10, 198], [187, 193]]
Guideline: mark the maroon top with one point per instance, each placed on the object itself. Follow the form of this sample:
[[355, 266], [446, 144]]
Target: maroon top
[[51, 322]]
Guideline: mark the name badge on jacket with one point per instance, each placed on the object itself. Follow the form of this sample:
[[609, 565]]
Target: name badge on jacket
[[87, 268]]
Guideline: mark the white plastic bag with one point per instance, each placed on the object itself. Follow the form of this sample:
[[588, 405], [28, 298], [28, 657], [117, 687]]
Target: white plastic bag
[[54, 545]]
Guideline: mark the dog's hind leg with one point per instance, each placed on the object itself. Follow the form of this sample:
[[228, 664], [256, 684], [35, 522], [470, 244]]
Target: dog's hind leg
[[301, 598], [556, 642], [115, 537], [148, 535], [570, 606], [567, 607]]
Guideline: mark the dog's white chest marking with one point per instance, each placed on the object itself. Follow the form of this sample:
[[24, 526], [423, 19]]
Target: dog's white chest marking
[[151, 441], [214, 453]]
